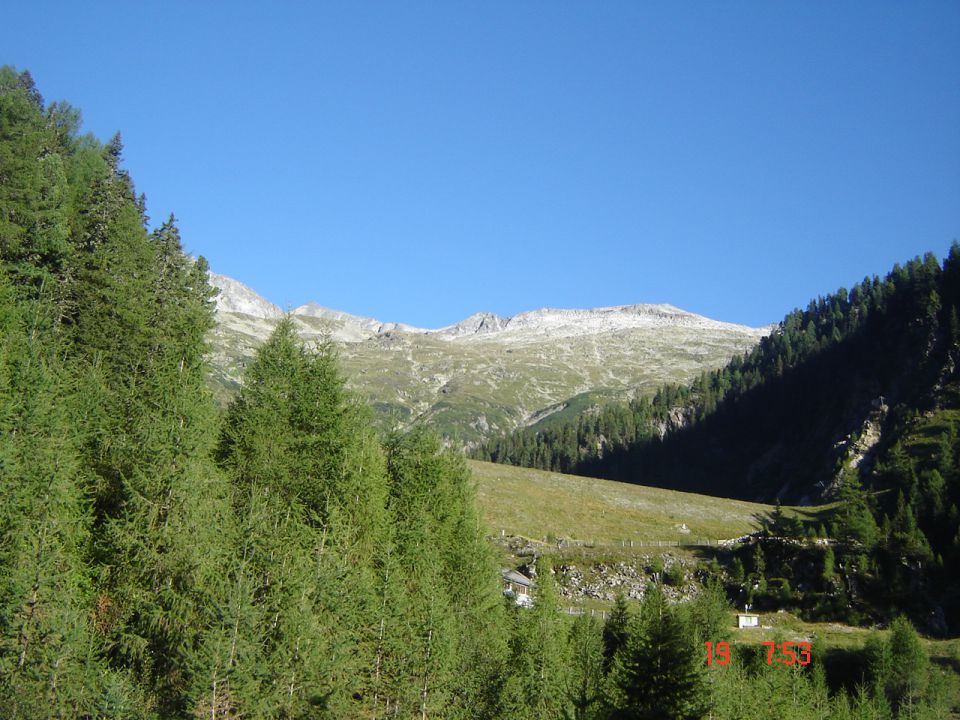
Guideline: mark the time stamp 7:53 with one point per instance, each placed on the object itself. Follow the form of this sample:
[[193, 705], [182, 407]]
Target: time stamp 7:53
[[784, 653]]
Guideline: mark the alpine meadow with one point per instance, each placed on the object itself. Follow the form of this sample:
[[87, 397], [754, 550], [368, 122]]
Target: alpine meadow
[[231, 515]]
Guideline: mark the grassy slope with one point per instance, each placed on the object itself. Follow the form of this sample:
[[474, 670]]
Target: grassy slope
[[537, 504], [534, 504], [922, 438]]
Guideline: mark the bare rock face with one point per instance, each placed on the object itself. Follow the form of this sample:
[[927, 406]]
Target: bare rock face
[[235, 297], [477, 324], [857, 450], [530, 326]]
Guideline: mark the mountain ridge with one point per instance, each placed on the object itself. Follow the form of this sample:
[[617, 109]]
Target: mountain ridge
[[484, 375], [237, 297]]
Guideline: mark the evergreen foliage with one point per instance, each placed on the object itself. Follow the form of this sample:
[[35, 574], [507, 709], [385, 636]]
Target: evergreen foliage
[[658, 673], [615, 630], [452, 607], [535, 681], [51, 662], [585, 677], [886, 339]]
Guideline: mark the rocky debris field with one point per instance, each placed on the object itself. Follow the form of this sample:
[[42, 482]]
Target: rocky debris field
[[605, 581]]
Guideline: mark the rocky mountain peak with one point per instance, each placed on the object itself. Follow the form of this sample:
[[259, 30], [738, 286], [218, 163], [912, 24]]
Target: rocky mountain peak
[[478, 323], [235, 297]]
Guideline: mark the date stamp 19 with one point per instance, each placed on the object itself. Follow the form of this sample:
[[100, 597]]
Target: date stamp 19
[[784, 653]]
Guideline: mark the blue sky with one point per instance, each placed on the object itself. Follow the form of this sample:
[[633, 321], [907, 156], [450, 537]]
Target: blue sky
[[418, 162]]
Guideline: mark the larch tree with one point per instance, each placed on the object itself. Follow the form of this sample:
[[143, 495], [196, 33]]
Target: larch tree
[[309, 491], [33, 188], [51, 662], [536, 673]]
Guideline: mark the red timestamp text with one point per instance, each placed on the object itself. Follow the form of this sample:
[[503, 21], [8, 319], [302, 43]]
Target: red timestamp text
[[790, 653], [722, 654], [783, 653]]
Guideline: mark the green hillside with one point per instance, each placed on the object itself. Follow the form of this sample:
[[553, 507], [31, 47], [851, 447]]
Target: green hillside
[[539, 504], [828, 391]]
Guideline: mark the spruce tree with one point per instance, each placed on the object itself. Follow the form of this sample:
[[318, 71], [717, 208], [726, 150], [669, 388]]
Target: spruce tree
[[585, 676], [658, 672], [33, 188], [907, 677], [536, 677], [615, 630], [854, 521]]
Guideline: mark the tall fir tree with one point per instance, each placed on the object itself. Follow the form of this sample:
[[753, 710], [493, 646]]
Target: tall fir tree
[[585, 677], [658, 671]]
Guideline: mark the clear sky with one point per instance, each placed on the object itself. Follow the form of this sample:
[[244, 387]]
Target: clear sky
[[419, 162]]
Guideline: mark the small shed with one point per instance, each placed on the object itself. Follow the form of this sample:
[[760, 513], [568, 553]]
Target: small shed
[[518, 586], [748, 620]]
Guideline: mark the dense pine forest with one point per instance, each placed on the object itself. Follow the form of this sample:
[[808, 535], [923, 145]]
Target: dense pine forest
[[161, 558]]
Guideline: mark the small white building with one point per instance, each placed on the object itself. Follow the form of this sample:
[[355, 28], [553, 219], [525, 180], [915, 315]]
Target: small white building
[[748, 620], [518, 586]]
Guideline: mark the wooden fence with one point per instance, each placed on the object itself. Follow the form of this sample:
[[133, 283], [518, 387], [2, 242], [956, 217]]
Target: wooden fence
[[602, 614]]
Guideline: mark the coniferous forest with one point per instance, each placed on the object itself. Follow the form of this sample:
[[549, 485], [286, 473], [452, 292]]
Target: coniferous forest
[[161, 558]]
